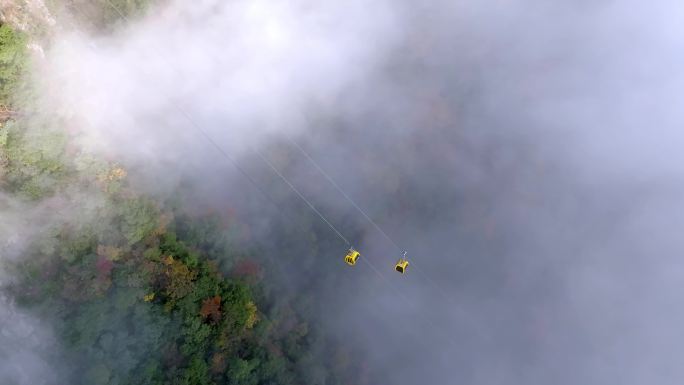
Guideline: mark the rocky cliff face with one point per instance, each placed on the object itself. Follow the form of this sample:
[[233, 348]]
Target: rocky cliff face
[[29, 16]]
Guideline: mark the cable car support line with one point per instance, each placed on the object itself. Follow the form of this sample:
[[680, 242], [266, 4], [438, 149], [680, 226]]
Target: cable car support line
[[332, 181], [267, 196], [315, 210], [400, 265]]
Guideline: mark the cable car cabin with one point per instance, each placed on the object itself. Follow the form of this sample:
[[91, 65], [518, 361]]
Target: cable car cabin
[[351, 257], [401, 265]]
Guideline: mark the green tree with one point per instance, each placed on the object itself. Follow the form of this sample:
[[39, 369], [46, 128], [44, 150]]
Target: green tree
[[138, 219], [13, 62]]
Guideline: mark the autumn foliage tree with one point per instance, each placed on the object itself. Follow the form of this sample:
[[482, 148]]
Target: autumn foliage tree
[[248, 270], [211, 309], [177, 279]]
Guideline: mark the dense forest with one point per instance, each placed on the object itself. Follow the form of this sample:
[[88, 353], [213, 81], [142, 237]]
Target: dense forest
[[137, 289]]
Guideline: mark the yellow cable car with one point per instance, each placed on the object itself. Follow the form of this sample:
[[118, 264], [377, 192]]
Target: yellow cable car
[[402, 264], [351, 257]]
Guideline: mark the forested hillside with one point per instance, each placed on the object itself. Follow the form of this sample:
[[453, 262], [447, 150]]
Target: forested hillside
[[136, 289]]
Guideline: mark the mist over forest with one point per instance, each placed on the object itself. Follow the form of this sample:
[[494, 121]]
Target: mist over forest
[[180, 182]]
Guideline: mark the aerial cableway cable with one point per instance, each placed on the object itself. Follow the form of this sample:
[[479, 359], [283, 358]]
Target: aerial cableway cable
[[308, 203], [401, 264], [208, 137], [232, 160]]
